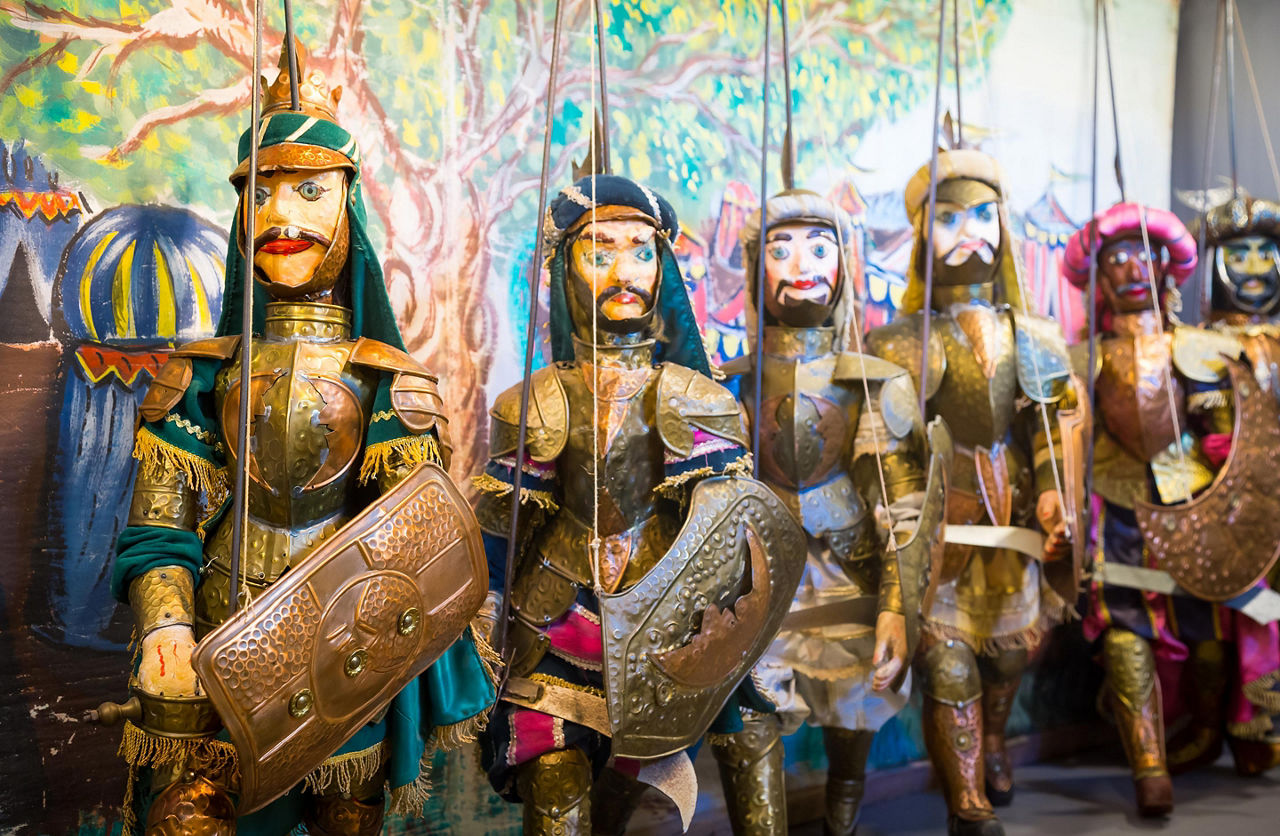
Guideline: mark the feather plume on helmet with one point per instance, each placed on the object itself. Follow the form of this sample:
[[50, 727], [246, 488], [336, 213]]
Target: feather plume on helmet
[[800, 206], [960, 170]]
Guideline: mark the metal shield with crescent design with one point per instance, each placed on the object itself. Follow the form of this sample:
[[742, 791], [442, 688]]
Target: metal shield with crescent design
[[678, 642], [295, 673], [1219, 544]]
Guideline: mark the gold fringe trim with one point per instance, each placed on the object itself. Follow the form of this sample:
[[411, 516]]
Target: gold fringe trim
[[1215, 399], [1026, 639], [159, 457], [1259, 692], [413, 796], [718, 738], [1259, 728], [456, 735], [673, 486], [412, 450], [142, 749], [492, 485], [342, 772], [489, 658]]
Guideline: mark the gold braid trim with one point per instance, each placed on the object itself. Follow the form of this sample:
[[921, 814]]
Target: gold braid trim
[[718, 738], [384, 415], [492, 485], [1259, 692], [412, 451], [1204, 401], [342, 772], [161, 458], [548, 679], [1259, 728]]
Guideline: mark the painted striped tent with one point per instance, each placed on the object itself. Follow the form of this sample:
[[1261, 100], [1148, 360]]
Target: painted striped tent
[[141, 275]]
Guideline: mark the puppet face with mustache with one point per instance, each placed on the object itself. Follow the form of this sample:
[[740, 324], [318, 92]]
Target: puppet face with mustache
[[1249, 271], [801, 273], [615, 267], [966, 240], [298, 219], [1126, 274]]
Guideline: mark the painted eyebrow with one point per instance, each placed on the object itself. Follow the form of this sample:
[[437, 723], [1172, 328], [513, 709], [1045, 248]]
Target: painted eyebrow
[[779, 236], [821, 232], [599, 237], [644, 237]]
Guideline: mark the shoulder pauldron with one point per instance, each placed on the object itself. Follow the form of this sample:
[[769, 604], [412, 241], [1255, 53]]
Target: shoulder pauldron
[[899, 343], [689, 400], [415, 395], [174, 377], [548, 424], [1044, 366], [1200, 354]]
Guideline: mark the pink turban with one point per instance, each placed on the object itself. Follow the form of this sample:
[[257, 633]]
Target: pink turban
[[1124, 220]]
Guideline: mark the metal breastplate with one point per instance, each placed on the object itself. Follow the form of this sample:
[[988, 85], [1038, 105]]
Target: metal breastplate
[[807, 428], [977, 394], [310, 409], [1131, 393]]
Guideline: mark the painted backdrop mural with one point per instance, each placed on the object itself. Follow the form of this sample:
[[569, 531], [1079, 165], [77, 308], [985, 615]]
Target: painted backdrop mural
[[118, 120]]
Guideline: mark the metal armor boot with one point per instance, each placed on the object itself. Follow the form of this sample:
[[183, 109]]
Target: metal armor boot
[[556, 789], [1135, 704], [752, 774], [1001, 675], [847, 752]]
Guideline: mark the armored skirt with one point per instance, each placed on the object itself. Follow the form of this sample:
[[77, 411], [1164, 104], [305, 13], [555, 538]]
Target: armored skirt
[[823, 675]]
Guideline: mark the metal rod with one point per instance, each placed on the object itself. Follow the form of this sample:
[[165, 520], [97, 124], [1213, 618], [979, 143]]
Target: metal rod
[[248, 204], [1229, 30], [758, 365], [955, 45], [933, 210], [1115, 112], [291, 49], [1090, 305], [788, 138], [604, 90], [535, 280], [1215, 86]]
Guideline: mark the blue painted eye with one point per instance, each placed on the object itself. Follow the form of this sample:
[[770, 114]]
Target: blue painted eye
[[260, 195], [1121, 257], [310, 190], [946, 217], [820, 250], [779, 252], [986, 212], [601, 259], [645, 254]]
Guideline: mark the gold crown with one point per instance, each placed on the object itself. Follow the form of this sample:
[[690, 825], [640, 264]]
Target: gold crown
[[314, 96]]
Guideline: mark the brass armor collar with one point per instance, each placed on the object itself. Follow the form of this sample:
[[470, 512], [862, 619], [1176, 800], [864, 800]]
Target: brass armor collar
[[1237, 319], [312, 320], [799, 343], [1135, 324], [946, 295], [627, 351]]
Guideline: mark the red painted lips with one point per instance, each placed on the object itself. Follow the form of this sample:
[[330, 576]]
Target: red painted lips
[[284, 246]]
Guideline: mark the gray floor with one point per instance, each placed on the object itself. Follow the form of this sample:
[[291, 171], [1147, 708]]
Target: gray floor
[[1093, 795]]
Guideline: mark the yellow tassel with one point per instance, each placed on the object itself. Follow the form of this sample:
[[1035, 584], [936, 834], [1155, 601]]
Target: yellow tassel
[[160, 457], [486, 483], [455, 735], [411, 450], [489, 658], [409, 799], [673, 486]]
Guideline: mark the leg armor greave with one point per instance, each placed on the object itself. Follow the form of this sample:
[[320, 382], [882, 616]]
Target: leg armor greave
[[556, 789], [1001, 675], [1135, 702], [1200, 743], [847, 751], [751, 772], [357, 812]]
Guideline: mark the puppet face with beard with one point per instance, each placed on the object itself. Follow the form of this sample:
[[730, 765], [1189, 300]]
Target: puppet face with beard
[[1126, 275], [1248, 271], [614, 272], [801, 273], [301, 233], [966, 233]]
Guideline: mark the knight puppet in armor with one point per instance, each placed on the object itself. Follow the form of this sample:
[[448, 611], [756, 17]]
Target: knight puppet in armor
[[843, 444], [1244, 293], [313, 701], [652, 571], [1186, 464], [1001, 379]]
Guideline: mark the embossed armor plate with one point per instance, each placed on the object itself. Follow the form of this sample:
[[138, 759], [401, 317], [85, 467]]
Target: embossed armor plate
[[920, 558], [1073, 425], [300, 669], [678, 642], [1220, 543]]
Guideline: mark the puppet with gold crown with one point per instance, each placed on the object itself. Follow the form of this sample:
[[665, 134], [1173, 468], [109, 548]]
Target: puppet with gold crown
[[307, 702], [1001, 379]]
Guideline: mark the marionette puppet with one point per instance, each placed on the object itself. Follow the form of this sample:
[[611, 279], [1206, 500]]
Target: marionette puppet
[[1186, 448], [1001, 379], [1243, 293], [305, 700], [843, 444], [651, 572]]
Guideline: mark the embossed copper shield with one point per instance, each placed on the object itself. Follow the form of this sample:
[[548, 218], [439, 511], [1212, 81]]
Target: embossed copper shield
[[1220, 543], [300, 669], [680, 640]]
